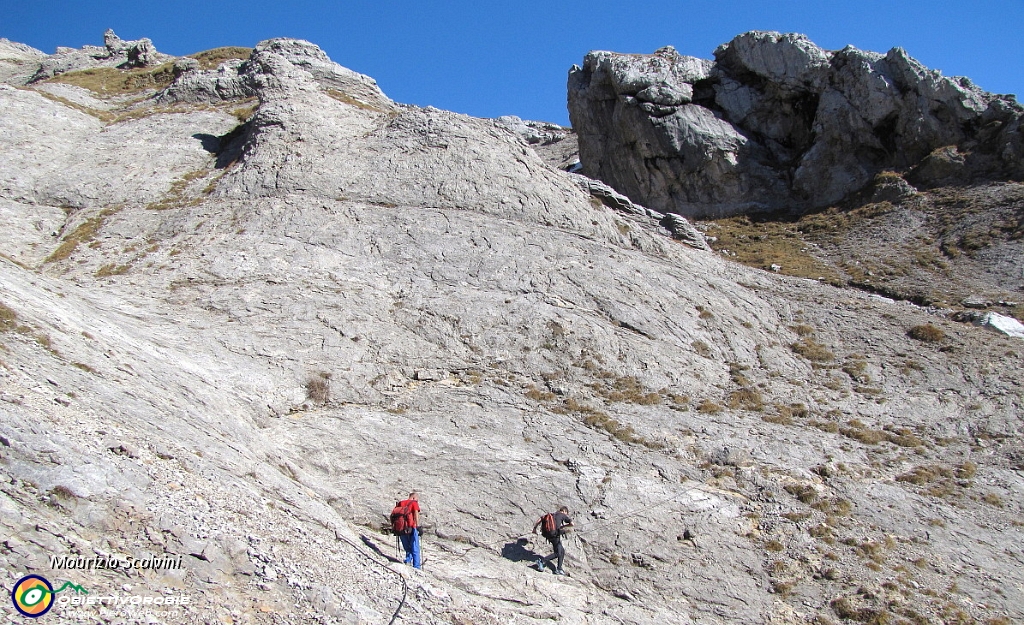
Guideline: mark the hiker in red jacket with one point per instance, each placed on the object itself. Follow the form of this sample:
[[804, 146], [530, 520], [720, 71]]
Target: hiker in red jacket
[[409, 533], [552, 528]]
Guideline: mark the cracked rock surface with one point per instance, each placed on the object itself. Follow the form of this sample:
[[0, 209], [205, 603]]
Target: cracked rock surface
[[238, 338]]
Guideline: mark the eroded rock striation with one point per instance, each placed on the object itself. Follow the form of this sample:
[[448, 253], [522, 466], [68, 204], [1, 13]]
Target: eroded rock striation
[[776, 122], [243, 311]]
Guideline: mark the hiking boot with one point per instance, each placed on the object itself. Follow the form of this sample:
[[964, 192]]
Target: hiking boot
[[539, 565], [560, 572]]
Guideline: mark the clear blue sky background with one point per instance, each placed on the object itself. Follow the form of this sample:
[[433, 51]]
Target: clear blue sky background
[[511, 58]]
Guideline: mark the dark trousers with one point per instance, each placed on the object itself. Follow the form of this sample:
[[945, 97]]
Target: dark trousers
[[558, 551]]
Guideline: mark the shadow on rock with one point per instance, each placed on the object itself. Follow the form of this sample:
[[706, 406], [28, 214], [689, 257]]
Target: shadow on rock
[[376, 549], [210, 142], [518, 551]]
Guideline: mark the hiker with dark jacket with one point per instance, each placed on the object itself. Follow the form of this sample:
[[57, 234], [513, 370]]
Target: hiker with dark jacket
[[405, 520], [553, 528]]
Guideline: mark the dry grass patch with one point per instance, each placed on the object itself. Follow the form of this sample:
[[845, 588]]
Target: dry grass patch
[[926, 333], [318, 388], [804, 492], [701, 348], [834, 507], [708, 407], [992, 499], [778, 419], [175, 197], [762, 244], [243, 113], [785, 415], [797, 517], [939, 480], [8, 319], [825, 426], [532, 392], [110, 81], [822, 532], [856, 368], [626, 389], [345, 98], [812, 350], [746, 399], [112, 269], [600, 420], [845, 608], [211, 59], [84, 233], [104, 116]]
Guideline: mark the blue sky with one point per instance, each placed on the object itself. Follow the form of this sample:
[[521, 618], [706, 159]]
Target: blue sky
[[489, 58]]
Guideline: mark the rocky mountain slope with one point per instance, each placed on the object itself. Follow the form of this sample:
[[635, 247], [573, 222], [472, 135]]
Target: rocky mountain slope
[[246, 301]]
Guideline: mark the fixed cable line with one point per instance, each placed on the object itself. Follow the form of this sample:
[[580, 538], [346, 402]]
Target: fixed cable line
[[405, 584]]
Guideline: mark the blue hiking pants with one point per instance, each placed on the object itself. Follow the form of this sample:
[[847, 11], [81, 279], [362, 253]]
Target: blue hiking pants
[[411, 544]]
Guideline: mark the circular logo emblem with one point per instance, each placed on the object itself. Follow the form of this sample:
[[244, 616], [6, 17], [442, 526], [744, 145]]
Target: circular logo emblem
[[32, 596]]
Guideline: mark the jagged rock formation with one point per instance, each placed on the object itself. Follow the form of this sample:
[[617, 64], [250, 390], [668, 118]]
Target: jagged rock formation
[[115, 52], [775, 122], [242, 312]]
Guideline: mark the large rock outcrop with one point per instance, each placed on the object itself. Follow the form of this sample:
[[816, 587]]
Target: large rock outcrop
[[18, 62], [775, 122], [115, 52]]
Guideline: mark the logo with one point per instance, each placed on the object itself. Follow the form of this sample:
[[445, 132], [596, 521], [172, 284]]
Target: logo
[[33, 595]]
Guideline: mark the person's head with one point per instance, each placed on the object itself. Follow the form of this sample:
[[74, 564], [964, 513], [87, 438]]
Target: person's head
[[414, 496], [564, 509]]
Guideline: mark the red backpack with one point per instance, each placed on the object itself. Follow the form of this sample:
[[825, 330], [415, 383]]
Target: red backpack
[[547, 526], [401, 518]]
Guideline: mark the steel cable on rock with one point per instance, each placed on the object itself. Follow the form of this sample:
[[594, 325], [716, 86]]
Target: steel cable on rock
[[405, 584]]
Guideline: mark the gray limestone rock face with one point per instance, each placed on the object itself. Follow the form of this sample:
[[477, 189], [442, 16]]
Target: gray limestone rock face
[[775, 122], [238, 338], [18, 62], [555, 144]]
